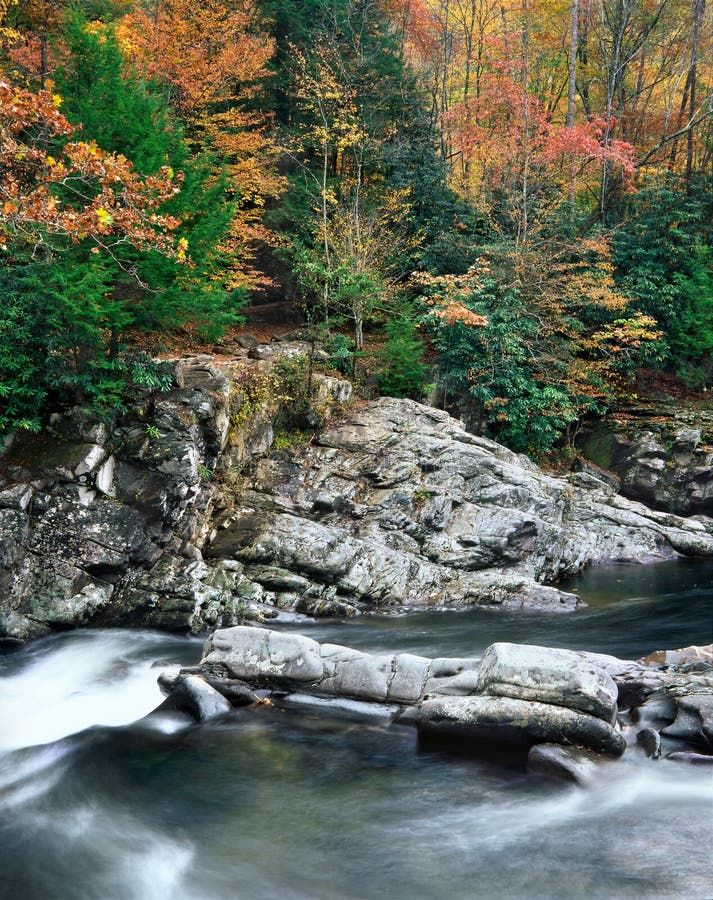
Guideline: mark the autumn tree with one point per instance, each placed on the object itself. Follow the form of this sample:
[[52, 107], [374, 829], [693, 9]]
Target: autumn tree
[[214, 57], [530, 342]]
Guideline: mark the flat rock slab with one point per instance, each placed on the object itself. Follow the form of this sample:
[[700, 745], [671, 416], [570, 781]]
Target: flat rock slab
[[559, 677], [523, 722], [273, 658], [260, 656]]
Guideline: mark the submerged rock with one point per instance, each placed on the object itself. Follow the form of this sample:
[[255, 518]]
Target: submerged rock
[[693, 759], [562, 763]]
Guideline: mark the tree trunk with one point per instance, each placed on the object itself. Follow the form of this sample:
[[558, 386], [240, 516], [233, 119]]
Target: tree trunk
[[571, 95], [698, 10]]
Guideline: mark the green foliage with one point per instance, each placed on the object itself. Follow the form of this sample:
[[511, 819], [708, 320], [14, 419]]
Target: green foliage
[[341, 353], [23, 390], [64, 323], [381, 144], [117, 110], [494, 366], [76, 356], [665, 259], [402, 369]]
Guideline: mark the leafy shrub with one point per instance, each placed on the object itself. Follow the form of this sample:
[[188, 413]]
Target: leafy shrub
[[403, 370]]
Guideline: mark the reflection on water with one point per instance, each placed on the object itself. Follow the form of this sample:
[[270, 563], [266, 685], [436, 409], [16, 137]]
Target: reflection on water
[[275, 804]]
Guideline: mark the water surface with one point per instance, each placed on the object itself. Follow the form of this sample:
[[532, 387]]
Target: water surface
[[95, 803]]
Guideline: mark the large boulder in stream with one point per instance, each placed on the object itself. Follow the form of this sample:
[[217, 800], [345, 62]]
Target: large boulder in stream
[[519, 722], [559, 677], [543, 694], [515, 694]]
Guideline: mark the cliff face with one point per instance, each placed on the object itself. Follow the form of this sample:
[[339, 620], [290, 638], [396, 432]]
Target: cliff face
[[662, 454], [178, 514], [102, 523]]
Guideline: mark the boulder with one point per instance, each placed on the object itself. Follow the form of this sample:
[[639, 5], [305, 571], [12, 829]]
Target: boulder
[[650, 741], [193, 695], [519, 722], [261, 657], [694, 720], [137, 521], [562, 763], [559, 677]]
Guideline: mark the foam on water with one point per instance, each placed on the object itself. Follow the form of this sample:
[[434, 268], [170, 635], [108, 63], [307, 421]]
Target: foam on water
[[93, 678]]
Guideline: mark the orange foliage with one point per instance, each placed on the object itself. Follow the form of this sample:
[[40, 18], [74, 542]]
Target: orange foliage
[[83, 193], [215, 57]]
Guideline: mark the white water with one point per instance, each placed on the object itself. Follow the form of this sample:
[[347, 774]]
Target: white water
[[94, 678]]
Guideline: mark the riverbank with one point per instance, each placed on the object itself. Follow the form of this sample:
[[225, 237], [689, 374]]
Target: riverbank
[[239, 494]]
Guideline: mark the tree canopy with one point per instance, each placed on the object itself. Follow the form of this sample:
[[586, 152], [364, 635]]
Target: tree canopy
[[516, 194]]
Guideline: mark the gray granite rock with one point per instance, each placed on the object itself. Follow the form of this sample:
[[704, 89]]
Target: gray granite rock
[[520, 722], [548, 675], [694, 720], [692, 759], [260, 656], [193, 695], [562, 763], [662, 455], [176, 515], [397, 505], [650, 741]]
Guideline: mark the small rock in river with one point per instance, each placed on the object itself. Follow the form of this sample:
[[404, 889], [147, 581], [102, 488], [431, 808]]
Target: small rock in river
[[196, 697], [563, 763], [695, 759], [650, 740]]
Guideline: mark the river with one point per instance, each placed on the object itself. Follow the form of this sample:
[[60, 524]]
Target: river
[[96, 803]]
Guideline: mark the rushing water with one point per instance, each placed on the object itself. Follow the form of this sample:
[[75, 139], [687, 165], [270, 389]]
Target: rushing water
[[96, 803]]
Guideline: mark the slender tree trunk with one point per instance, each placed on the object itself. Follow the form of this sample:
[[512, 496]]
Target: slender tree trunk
[[571, 96], [698, 11], [524, 219], [679, 125], [325, 232]]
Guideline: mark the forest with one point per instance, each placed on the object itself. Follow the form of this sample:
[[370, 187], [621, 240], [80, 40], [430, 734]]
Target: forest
[[504, 204]]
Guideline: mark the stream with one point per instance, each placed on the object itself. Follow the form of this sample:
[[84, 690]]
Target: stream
[[98, 802]]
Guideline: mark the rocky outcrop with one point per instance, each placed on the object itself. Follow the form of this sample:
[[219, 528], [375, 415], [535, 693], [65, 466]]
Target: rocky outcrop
[[102, 522], [661, 454], [186, 512], [517, 695], [396, 505]]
